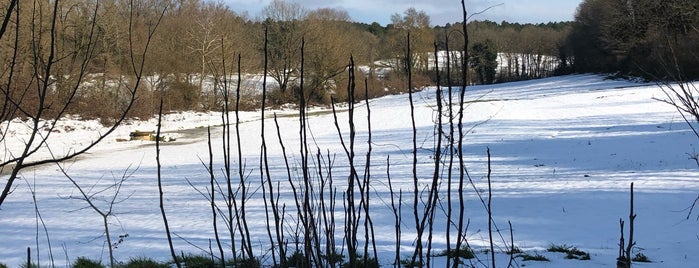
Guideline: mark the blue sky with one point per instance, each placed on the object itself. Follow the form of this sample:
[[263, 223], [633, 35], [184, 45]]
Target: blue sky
[[440, 11]]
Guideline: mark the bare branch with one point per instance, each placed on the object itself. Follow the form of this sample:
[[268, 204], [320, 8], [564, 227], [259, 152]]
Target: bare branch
[[43, 71]]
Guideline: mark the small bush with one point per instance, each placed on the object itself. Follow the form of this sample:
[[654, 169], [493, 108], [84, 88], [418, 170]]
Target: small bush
[[83, 262], [640, 257], [247, 103], [277, 97], [396, 83], [535, 257], [144, 263], [2, 265]]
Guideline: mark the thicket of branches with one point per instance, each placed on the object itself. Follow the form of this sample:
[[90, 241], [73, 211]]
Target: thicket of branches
[[319, 209], [53, 56]]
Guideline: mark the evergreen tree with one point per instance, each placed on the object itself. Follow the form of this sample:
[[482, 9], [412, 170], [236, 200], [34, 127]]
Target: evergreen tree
[[484, 60]]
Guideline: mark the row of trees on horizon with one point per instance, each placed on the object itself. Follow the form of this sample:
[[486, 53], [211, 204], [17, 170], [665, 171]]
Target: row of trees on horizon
[[198, 38]]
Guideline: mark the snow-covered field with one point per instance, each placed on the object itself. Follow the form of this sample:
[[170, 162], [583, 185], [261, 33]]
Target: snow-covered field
[[564, 152]]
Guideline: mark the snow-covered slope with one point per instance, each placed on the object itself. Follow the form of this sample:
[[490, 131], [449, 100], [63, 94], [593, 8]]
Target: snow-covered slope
[[564, 151]]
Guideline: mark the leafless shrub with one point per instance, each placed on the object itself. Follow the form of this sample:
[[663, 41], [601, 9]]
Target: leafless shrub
[[53, 87]]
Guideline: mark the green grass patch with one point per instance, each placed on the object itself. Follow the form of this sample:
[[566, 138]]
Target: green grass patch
[[196, 261], [144, 262], [83, 262]]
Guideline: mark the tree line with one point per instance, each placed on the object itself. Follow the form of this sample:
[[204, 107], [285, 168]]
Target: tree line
[[657, 40], [505, 52], [197, 40]]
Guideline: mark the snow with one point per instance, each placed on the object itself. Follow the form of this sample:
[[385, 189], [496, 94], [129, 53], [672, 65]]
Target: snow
[[564, 152]]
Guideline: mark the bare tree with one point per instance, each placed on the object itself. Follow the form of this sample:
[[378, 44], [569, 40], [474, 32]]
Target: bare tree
[[417, 23], [32, 92], [683, 94], [204, 42], [285, 25], [680, 91], [330, 41], [208, 33]]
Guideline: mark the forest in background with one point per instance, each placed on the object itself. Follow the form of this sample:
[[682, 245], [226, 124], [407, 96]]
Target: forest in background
[[198, 41], [198, 38], [657, 40]]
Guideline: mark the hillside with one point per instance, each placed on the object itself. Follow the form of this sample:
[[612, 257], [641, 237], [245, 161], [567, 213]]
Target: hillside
[[564, 151]]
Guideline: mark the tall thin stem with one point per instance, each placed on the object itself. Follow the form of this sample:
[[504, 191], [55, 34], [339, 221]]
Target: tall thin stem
[[462, 169], [368, 222], [490, 214], [417, 254], [160, 186], [212, 197], [434, 189], [451, 149]]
